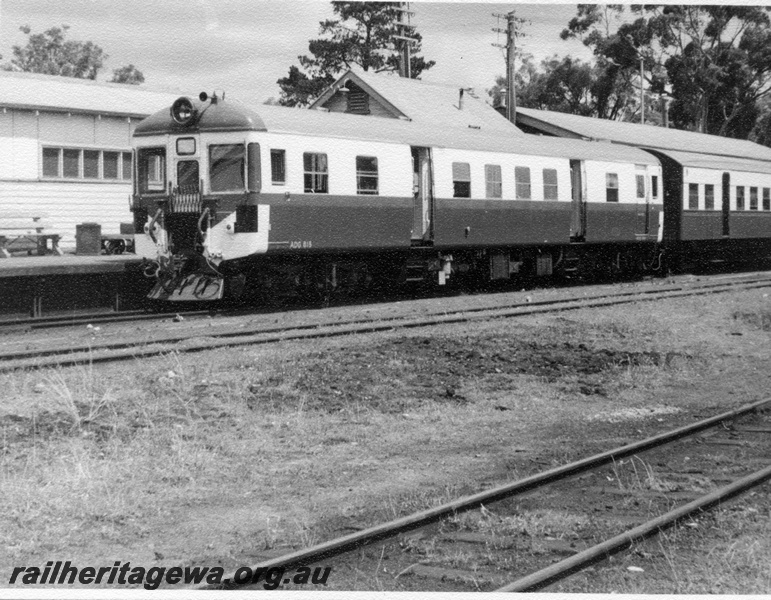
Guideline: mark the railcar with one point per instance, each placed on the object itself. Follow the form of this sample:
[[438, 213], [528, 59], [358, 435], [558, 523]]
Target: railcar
[[276, 201]]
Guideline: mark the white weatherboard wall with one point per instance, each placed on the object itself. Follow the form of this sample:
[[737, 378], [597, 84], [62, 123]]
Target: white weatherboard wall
[[65, 202]]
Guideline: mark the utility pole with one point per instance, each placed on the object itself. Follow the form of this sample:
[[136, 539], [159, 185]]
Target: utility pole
[[642, 89], [511, 36], [405, 29]]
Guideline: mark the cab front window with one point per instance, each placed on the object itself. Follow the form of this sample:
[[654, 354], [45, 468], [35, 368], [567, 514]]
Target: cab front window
[[227, 167], [151, 170]]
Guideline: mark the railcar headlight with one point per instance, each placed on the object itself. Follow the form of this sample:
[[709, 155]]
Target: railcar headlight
[[183, 111]]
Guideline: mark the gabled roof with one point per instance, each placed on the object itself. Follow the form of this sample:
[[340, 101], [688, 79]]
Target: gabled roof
[[438, 105], [32, 91], [640, 136]]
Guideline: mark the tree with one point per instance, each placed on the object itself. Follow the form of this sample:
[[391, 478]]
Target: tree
[[363, 35], [715, 61], [51, 53], [128, 74], [572, 86]]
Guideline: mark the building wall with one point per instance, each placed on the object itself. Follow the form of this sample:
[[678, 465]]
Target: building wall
[[64, 201]]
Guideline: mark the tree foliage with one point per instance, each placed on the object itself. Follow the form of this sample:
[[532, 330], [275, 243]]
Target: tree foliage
[[362, 35], [128, 74], [713, 61], [51, 53]]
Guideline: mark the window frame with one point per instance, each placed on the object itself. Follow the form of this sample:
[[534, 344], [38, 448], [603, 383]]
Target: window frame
[[210, 167], [461, 188], [709, 198], [693, 198], [766, 198], [740, 196], [310, 175], [370, 175], [550, 186], [276, 153], [521, 184], [493, 182], [753, 198], [123, 164], [612, 191]]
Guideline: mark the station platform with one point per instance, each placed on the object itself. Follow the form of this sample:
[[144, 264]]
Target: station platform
[[36, 286]]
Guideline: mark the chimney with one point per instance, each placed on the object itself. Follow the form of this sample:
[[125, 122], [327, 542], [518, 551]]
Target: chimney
[[460, 99]]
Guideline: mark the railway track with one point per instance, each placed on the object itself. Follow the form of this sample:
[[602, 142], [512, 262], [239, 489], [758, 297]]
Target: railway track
[[700, 434], [95, 351]]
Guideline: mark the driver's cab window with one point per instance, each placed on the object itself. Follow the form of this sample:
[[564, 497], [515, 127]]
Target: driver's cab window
[[151, 170], [227, 167]]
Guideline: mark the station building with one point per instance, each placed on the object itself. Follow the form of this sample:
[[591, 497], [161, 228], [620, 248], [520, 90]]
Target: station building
[[65, 149]]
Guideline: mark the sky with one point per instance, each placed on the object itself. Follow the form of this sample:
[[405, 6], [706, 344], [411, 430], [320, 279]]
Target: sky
[[242, 47]]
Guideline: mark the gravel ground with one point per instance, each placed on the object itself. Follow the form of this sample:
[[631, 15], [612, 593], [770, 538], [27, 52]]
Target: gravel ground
[[230, 456]]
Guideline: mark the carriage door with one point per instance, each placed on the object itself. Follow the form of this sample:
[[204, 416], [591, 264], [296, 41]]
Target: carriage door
[[578, 220], [726, 204], [422, 192]]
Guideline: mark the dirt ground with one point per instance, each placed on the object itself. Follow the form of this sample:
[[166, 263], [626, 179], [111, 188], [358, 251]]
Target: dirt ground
[[231, 456]]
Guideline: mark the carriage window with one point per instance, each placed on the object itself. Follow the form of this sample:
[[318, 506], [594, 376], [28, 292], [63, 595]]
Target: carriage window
[[187, 175], [655, 186], [226, 167], [693, 196], [640, 181], [766, 198], [522, 181], [493, 185], [550, 190], [152, 170], [611, 187], [278, 167], [753, 198], [739, 197], [709, 196], [366, 175], [316, 173], [461, 180]]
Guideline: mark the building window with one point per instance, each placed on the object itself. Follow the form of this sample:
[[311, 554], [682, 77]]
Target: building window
[[91, 164], [766, 198], [75, 163], [316, 180], [611, 187], [709, 196], [71, 163], [739, 197], [693, 196], [550, 189], [366, 175], [654, 186], [753, 198], [461, 180], [278, 167], [126, 172], [640, 181], [110, 165], [51, 162], [493, 182], [522, 180]]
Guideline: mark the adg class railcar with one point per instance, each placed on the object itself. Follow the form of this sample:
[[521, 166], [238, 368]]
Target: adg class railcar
[[230, 200]]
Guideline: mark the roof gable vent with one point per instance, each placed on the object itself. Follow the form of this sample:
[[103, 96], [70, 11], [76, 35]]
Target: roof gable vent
[[358, 100]]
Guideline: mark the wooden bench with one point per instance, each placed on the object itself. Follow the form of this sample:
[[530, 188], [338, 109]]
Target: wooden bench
[[26, 232]]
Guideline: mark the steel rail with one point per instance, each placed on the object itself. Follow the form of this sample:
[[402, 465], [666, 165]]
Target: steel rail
[[417, 520], [553, 573], [113, 352]]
